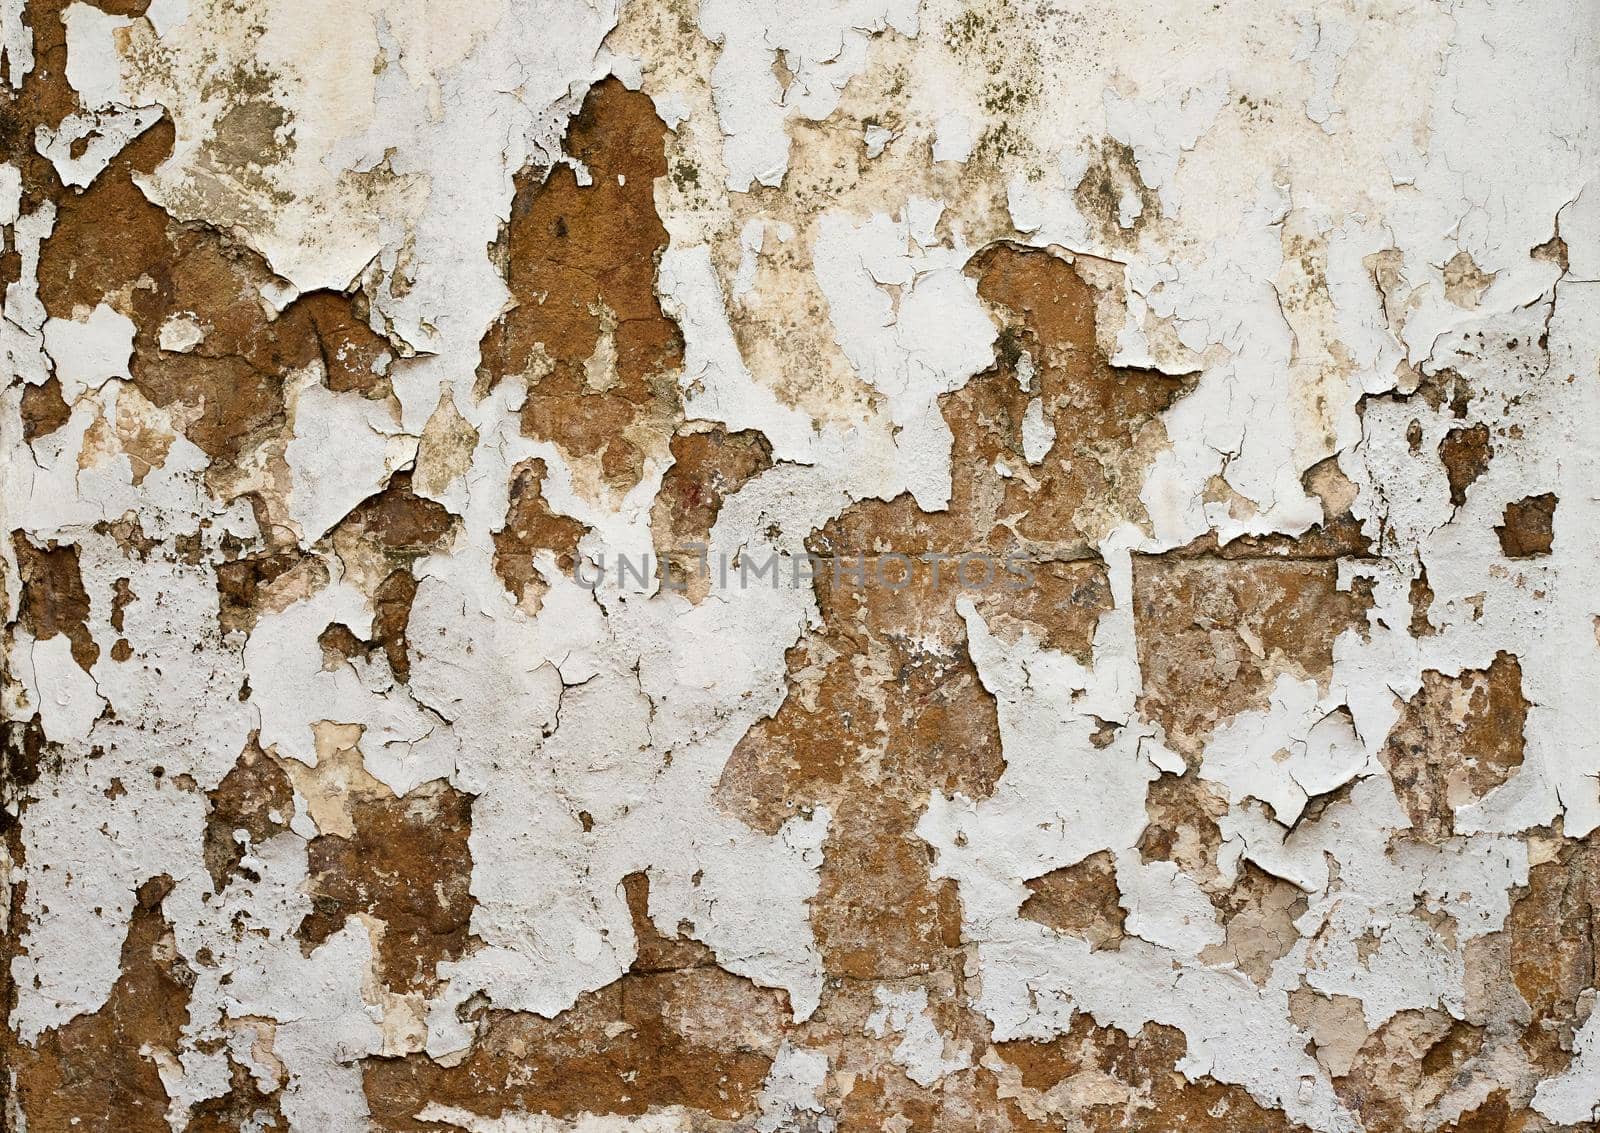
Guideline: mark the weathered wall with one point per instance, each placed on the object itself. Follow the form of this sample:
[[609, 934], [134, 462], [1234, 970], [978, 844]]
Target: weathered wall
[[1252, 346]]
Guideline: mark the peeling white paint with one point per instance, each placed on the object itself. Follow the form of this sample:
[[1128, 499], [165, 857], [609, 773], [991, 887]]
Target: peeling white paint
[[1287, 199]]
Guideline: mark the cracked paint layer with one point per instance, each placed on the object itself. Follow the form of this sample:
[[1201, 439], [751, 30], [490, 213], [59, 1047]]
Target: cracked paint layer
[[665, 565]]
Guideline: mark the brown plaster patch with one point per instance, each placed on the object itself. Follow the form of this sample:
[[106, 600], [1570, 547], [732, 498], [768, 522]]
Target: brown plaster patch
[[405, 864], [707, 468], [530, 527], [44, 410], [255, 797], [1080, 900], [1458, 739], [1466, 453], [699, 1038], [1214, 634], [1529, 527], [587, 333], [53, 598]]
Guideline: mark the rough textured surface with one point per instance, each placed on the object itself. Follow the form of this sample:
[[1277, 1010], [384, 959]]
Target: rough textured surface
[[581, 566]]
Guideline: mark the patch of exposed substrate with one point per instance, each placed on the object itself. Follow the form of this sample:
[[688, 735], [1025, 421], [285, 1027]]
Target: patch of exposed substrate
[[1457, 741], [586, 336], [1216, 634], [707, 468]]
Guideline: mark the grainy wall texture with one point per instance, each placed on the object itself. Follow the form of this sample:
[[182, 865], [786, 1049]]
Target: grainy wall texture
[[574, 566]]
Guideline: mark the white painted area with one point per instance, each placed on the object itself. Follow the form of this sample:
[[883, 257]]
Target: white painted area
[[922, 1049], [791, 1090], [1038, 434], [345, 448], [954, 137], [1573, 1096], [100, 135], [822, 45], [86, 354]]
